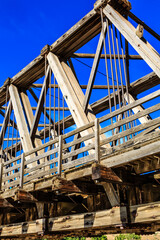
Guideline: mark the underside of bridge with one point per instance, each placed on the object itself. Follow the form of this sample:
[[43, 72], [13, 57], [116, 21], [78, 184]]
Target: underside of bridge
[[79, 133]]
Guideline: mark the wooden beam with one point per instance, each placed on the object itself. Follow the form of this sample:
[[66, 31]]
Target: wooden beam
[[148, 166], [151, 31], [70, 89], [37, 100], [138, 86], [24, 196], [137, 109], [94, 67], [40, 105], [104, 218], [30, 118], [102, 56], [21, 121], [5, 122], [115, 217], [64, 186], [132, 155], [39, 85], [142, 84], [11, 122], [5, 204], [111, 194], [36, 68], [23, 229], [145, 213], [102, 173], [145, 50], [89, 115]]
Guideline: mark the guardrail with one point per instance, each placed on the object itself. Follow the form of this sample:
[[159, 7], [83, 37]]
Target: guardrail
[[58, 157]]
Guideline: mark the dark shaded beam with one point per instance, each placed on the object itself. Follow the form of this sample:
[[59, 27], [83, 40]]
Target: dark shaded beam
[[144, 83], [146, 27], [39, 85], [92, 55]]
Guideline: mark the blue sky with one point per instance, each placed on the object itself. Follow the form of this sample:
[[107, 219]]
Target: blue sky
[[26, 26]]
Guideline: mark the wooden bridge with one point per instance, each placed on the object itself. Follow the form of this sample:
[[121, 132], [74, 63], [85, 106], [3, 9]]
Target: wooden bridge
[[79, 157]]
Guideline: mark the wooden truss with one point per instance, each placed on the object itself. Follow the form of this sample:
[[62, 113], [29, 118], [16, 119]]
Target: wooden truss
[[64, 149]]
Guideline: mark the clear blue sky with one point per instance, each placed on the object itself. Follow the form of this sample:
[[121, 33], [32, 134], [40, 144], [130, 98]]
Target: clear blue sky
[[26, 26]]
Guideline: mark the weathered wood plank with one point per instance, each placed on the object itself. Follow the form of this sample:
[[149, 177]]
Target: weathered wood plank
[[114, 216], [111, 194], [94, 67], [146, 51], [20, 229], [132, 155], [92, 55], [145, 213], [21, 121]]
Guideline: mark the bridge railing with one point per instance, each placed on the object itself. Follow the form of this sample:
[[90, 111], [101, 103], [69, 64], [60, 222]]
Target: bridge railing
[[96, 139]]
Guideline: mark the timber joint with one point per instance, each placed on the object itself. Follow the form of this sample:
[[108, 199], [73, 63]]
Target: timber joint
[[7, 82], [45, 50], [124, 4]]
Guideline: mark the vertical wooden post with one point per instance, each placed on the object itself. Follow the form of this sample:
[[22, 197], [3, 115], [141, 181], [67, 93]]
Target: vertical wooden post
[[60, 155], [22, 171], [97, 141], [1, 174]]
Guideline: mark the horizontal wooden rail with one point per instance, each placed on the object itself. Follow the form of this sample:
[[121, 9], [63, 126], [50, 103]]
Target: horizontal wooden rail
[[21, 172], [130, 131]]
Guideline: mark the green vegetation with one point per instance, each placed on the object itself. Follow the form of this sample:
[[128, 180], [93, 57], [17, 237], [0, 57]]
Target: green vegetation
[[84, 238], [127, 236], [104, 237]]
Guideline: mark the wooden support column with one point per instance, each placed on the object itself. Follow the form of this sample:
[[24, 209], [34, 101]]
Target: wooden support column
[[1, 175], [40, 105], [111, 194], [145, 50], [21, 121], [60, 155], [22, 171], [97, 141], [30, 118], [105, 177], [5, 122]]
